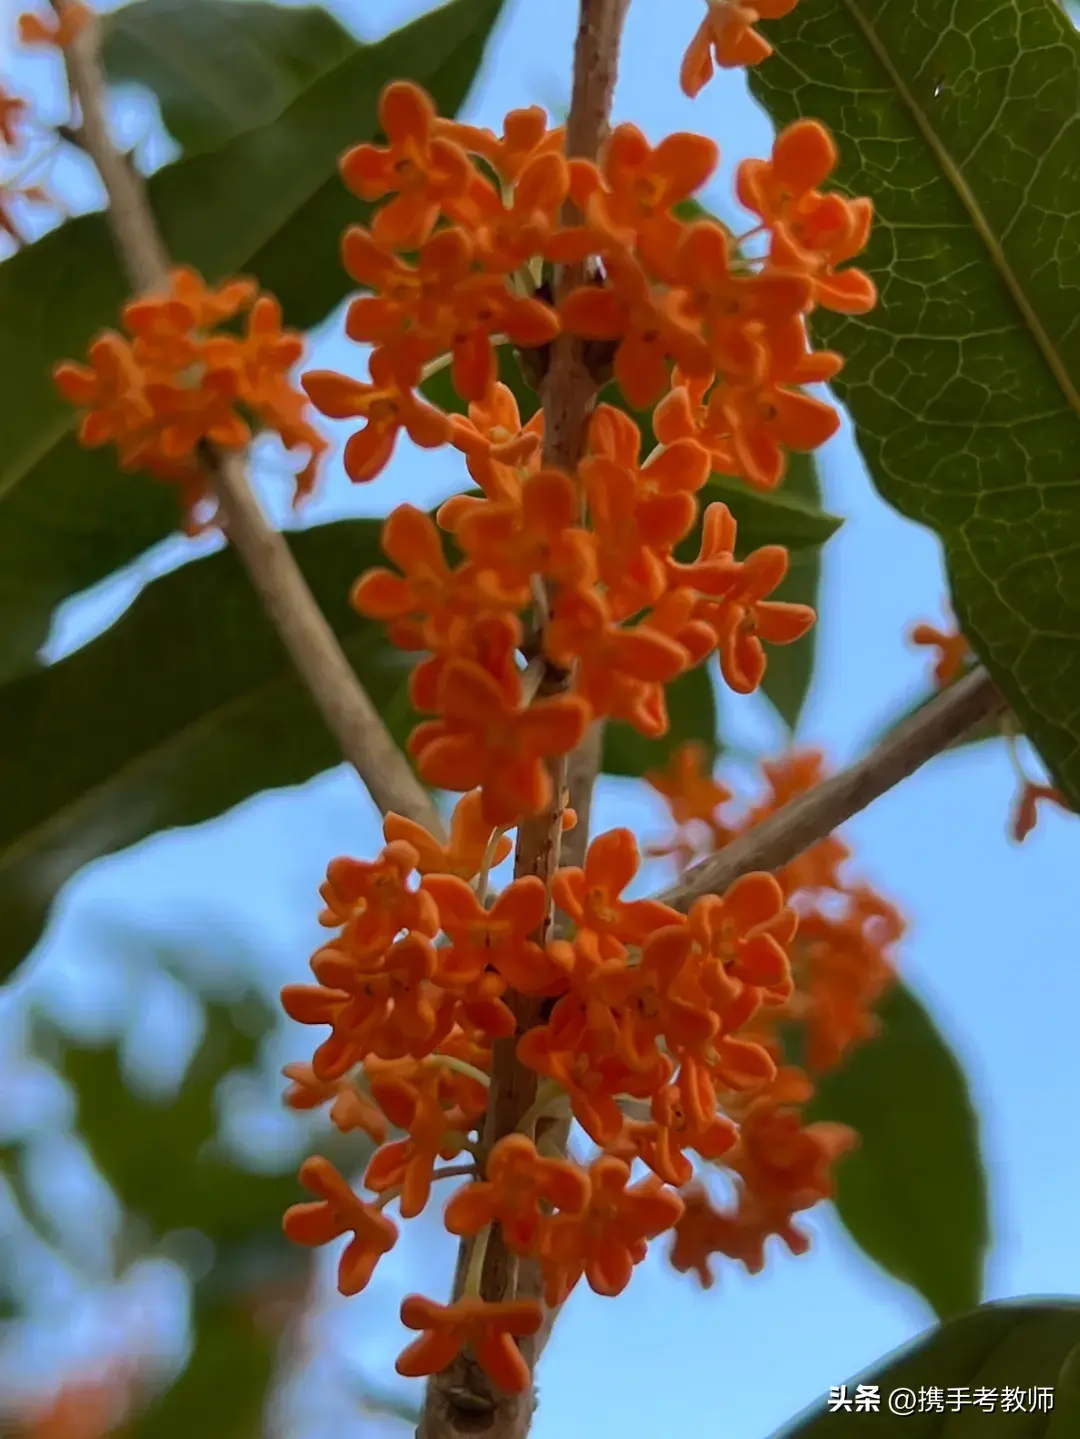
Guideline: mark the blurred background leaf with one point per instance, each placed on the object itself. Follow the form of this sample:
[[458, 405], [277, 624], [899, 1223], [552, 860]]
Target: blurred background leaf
[[183, 708], [912, 1194], [219, 67], [268, 200]]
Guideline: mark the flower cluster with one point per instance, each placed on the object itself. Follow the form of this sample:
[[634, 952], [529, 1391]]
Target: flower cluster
[[716, 340], [649, 1027], [656, 1039], [840, 967], [177, 380]]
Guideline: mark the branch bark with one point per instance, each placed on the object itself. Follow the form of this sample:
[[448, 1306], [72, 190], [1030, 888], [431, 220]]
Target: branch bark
[[462, 1401], [311, 644], [806, 820]]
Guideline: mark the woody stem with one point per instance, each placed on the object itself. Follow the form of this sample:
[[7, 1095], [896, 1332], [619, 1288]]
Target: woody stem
[[462, 1400], [310, 642], [810, 818]]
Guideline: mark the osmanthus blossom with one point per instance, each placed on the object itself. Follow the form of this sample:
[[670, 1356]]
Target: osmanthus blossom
[[657, 1030]]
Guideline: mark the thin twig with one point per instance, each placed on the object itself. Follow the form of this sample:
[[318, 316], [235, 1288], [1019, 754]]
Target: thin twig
[[806, 820], [462, 1401], [312, 645]]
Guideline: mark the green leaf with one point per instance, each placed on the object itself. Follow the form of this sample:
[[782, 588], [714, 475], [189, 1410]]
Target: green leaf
[[963, 382], [183, 708], [1065, 1420], [269, 202], [225, 1383], [1020, 1345], [692, 709], [913, 1194], [773, 518], [791, 667], [219, 67]]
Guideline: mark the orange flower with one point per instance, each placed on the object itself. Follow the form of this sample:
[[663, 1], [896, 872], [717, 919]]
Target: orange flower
[[269, 352], [674, 467], [629, 199], [739, 1234], [518, 1182], [575, 1049], [489, 1329], [187, 414], [364, 1024], [638, 513], [685, 1117], [953, 651], [525, 136], [726, 300], [338, 1211], [744, 938], [165, 325], [409, 1164], [373, 901], [619, 670], [627, 310], [656, 999], [441, 303], [591, 896], [514, 235], [1026, 812], [727, 35], [746, 620], [683, 413], [490, 639], [787, 1166], [606, 1240], [536, 534], [110, 390], [494, 440], [420, 169], [176, 385], [811, 231], [763, 418], [841, 972], [498, 936], [463, 854], [59, 30], [487, 739], [387, 403], [393, 981], [427, 588], [689, 786], [349, 1111]]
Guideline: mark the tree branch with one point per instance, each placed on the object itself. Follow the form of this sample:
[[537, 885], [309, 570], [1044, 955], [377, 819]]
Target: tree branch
[[806, 820], [312, 645], [461, 1400]]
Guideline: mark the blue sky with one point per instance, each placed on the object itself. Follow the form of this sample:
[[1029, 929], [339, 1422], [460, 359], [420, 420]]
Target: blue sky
[[990, 947]]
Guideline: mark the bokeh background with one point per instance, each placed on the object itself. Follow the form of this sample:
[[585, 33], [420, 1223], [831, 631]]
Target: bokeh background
[[146, 952]]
